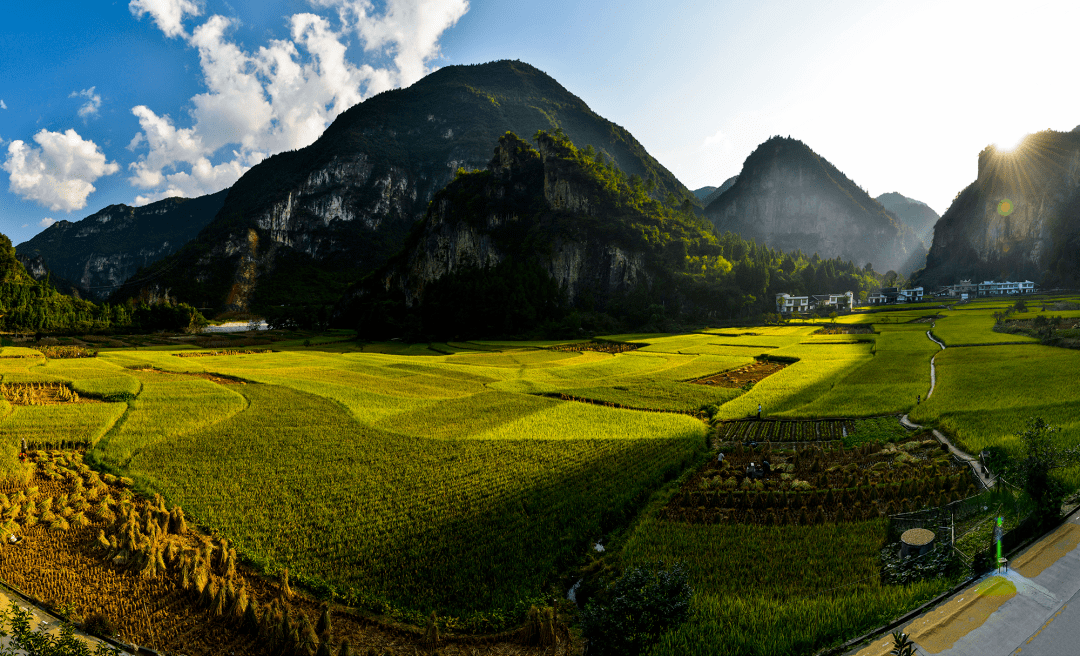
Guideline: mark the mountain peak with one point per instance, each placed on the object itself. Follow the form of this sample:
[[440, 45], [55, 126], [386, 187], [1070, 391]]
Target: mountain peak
[[334, 211], [791, 198]]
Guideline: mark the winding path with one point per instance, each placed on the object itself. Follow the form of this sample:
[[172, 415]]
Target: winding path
[[933, 371], [984, 475]]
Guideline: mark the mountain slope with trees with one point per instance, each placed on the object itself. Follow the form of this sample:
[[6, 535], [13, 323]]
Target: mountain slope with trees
[[303, 224], [100, 252], [556, 239]]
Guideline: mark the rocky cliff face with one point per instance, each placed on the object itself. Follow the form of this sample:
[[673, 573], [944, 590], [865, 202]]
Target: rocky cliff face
[[538, 233], [343, 206], [100, 252], [792, 199], [524, 188], [1020, 219]]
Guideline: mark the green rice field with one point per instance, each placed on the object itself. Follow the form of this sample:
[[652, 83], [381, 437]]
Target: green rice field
[[469, 477]]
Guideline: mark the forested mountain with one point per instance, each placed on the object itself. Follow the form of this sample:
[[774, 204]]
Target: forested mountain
[[791, 198], [301, 225], [1020, 219], [916, 214], [27, 305], [103, 250], [555, 238]]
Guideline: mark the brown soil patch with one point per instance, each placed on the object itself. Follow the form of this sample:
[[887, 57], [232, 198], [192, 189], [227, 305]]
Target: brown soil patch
[[1048, 551], [602, 347], [210, 354], [751, 373], [220, 379], [68, 568], [845, 330], [939, 629]]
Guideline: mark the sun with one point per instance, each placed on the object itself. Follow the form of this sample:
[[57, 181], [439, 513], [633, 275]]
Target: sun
[[1008, 141]]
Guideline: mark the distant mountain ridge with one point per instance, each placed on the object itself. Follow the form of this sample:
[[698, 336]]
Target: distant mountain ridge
[[916, 214], [715, 193], [790, 198], [98, 253], [1020, 218], [303, 224]]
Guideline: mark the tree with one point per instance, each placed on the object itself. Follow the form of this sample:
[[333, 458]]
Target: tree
[[902, 644], [1042, 456], [628, 617], [24, 640]]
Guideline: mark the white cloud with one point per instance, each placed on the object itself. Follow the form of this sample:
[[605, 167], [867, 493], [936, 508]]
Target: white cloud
[[92, 105], [167, 14], [409, 29], [282, 96], [59, 174], [46, 222], [2, 105]]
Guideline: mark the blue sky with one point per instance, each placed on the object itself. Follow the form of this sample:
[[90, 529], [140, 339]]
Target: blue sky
[[134, 100]]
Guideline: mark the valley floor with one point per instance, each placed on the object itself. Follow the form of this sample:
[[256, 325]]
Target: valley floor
[[468, 480]]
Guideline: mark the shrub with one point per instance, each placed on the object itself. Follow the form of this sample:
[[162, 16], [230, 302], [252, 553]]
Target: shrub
[[632, 614]]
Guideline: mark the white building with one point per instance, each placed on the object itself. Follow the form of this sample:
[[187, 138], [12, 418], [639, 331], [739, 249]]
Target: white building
[[910, 295], [991, 288], [786, 303]]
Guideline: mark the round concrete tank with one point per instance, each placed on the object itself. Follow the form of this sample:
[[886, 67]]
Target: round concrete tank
[[916, 542]]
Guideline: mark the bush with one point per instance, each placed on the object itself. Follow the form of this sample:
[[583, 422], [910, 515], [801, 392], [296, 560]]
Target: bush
[[99, 625], [626, 618]]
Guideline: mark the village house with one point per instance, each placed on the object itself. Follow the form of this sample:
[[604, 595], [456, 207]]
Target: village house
[[910, 295], [966, 289], [786, 303]]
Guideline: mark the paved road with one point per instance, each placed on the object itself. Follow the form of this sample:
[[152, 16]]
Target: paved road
[[1033, 609], [40, 620]]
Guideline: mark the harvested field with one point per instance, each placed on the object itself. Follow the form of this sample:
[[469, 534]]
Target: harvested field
[[40, 394], [751, 373], [782, 430], [813, 485], [146, 584], [845, 329], [208, 354], [602, 347]]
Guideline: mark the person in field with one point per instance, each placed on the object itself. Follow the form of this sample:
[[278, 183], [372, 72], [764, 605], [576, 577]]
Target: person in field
[[759, 411]]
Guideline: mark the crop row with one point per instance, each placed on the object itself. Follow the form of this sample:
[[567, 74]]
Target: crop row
[[780, 430]]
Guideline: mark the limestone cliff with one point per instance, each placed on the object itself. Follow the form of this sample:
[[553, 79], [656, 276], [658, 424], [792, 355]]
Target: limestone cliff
[[539, 228], [334, 211], [1020, 219], [790, 198]]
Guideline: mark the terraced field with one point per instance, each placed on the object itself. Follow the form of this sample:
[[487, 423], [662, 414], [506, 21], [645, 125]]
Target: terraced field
[[467, 478]]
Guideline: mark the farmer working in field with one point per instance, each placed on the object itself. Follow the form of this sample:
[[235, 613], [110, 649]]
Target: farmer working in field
[[759, 411]]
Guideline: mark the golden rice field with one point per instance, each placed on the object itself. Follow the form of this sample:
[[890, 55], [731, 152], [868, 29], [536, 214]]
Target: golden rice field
[[458, 478]]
